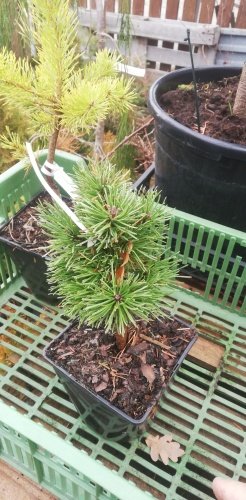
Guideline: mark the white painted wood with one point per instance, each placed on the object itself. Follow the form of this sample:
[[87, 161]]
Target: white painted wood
[[208, 54], [231, 47], [174, 57], [215, 45], [158, 29], [137, 55], [233, 31]]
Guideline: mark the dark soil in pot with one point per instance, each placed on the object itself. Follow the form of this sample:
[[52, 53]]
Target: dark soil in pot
[[23, 228], [28, 246], [215, 104], [131, 379]]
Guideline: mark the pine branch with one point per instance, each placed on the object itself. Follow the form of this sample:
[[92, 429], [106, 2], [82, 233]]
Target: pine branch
[[129, 137]]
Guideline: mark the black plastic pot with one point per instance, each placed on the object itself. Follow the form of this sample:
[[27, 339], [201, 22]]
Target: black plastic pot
[[31, 265], [102, 416], [195, 173]]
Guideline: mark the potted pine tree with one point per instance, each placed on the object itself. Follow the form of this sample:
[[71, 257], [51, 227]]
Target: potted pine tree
[[56, 94], [120, 350], [198, 172]]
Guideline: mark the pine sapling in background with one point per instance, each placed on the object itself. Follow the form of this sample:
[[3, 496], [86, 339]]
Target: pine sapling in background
[[56, 93]]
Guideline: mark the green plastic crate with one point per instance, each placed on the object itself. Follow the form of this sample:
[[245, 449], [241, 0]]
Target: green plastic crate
[[204, 408]]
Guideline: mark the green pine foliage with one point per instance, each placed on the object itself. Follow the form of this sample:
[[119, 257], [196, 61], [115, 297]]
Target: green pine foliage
[[12, 133], [56, 93], [115, 274], [126, 155]]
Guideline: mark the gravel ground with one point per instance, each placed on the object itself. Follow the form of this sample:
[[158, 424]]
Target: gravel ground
[[14, 485]]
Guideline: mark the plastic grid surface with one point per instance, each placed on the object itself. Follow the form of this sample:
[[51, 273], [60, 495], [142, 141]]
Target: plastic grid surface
[[204, 410], [217, 252]]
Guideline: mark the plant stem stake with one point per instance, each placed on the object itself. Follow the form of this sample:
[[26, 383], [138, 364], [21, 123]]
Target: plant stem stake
[[194, 82]]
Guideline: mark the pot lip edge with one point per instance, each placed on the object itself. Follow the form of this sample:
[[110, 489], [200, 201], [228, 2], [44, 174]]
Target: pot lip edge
[[12, 243], [17, 245], [160, 113], [106, 403]]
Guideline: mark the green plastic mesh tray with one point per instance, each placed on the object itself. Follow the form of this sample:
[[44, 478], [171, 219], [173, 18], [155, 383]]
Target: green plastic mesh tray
[[204, 407]]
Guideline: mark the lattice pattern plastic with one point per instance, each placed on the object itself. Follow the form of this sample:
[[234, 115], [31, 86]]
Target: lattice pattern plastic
[[204, 408]]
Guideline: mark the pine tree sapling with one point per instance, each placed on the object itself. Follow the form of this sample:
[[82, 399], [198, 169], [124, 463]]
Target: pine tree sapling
[[56, 93], [116, 273], [113, 282]]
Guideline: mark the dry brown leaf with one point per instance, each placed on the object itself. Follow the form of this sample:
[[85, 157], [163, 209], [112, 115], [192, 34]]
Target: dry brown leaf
[[105, 377], [104, 349], [2, 353], [164, 448], [115, 394], [127, 360], [162, 374], [13, 358], [143, 357], [138, 348], [148, 373], [100, 387]]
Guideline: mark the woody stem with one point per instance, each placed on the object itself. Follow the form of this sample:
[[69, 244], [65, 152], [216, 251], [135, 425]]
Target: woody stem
[[121, 340]]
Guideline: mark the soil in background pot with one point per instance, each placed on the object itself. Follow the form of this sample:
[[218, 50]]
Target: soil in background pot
[[215, 103], [28, 246], [132, 379], [23, 228]]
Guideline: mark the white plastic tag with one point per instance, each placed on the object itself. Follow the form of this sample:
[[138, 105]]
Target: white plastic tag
[[52, 193], [131, 70]]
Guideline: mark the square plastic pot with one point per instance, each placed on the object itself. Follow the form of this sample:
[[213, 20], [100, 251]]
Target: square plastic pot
[[99, 414]]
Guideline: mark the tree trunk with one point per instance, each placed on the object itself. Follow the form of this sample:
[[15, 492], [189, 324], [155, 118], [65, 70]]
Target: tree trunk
[[51, 157], [239, 108], [99, 138], [121, 340], [52, 145]]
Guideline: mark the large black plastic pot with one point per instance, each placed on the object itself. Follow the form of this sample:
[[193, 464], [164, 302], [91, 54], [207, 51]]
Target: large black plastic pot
[[99, 414], [196, 173]]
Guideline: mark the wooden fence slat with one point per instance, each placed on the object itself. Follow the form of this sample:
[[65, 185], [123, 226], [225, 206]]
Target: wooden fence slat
[[155, 8], [174, 57], [206, 12], [241, 17], [172, 9], [156, 29], [124, 6], [138, 7], [190, 10], [225, 12], [110, 5]]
